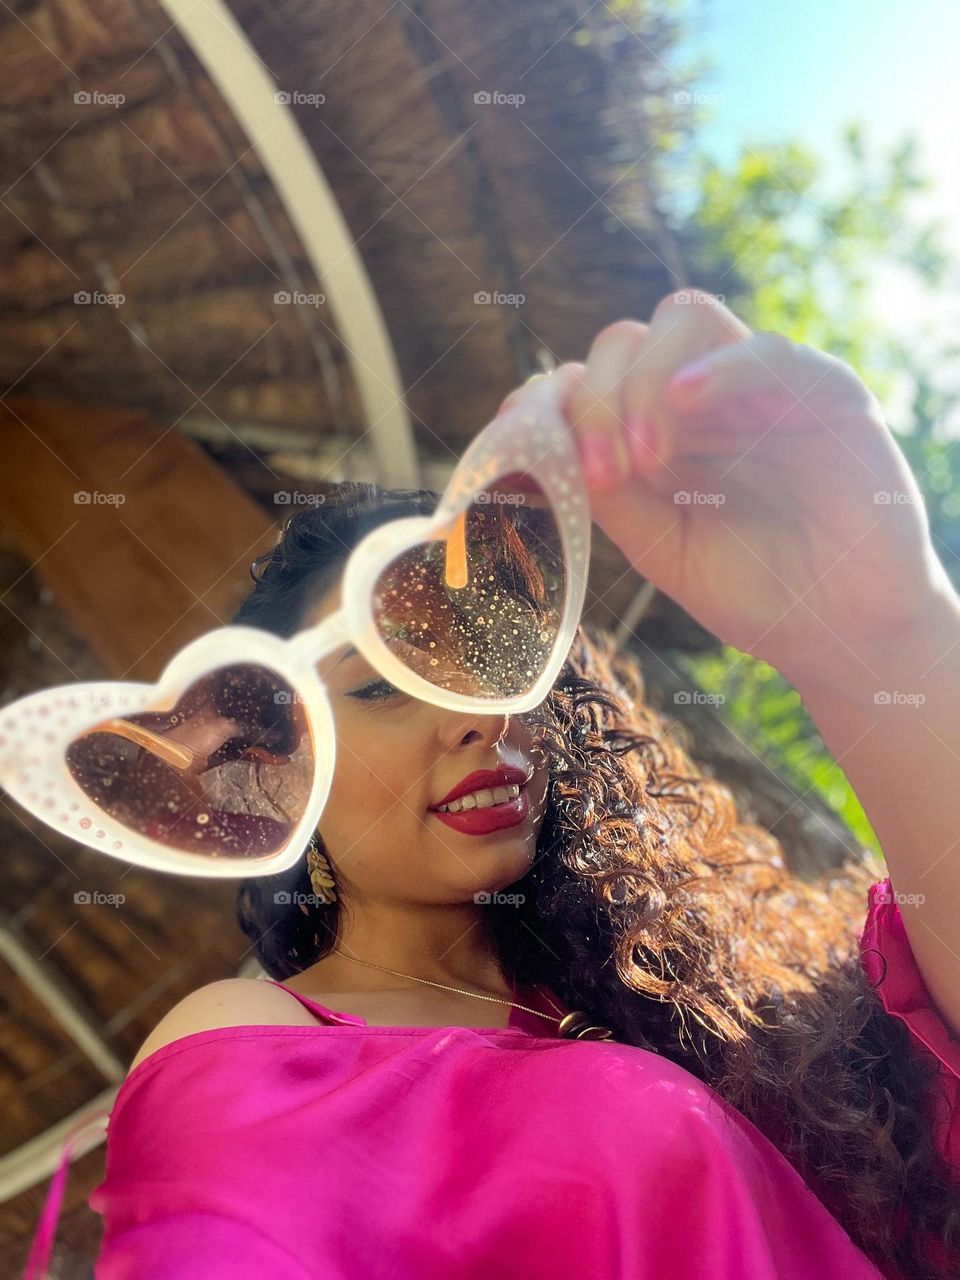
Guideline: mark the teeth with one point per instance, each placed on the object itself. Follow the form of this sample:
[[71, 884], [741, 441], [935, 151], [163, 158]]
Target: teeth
[[484, 799]]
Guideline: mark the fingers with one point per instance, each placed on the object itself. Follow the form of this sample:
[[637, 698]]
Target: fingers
[[561, 376], [623, 427], [685, 325], [616, 403], [762, 362], [594, 404]]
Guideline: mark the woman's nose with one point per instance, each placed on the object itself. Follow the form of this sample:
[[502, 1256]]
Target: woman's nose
[[471, 729]]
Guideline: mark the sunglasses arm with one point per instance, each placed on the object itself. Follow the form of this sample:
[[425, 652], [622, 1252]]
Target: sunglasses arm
[[177, 755]]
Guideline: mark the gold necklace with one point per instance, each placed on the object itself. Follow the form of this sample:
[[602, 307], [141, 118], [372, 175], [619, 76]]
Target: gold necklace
[[572, 1026]]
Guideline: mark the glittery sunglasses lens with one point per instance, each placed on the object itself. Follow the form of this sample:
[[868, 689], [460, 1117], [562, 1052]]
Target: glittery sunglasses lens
[[477, 609], [226, 772]]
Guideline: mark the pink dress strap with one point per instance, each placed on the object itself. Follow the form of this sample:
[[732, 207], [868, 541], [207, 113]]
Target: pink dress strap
[[328, 1015], [45, 1231], [533, 996]]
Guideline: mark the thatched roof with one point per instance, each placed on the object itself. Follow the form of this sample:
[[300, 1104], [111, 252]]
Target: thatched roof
[[164, 200]]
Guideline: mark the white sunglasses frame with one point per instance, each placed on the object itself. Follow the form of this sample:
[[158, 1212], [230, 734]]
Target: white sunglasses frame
[[531, 437]]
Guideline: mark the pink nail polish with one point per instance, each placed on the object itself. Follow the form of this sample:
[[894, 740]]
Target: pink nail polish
[[692, 376]]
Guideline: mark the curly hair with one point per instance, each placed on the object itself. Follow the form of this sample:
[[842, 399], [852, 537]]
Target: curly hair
[[653, 907]]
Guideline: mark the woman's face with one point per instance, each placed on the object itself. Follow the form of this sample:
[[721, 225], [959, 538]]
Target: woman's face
[[397, 758]]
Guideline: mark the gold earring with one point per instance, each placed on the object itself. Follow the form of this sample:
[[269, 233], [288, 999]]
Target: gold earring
[[321, 877]]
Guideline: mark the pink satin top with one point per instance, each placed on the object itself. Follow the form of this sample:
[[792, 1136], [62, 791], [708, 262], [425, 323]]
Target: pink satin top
[[342, 1151]]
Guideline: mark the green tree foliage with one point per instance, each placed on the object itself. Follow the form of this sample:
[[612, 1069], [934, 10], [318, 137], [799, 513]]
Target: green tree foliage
[[789, 255], [768, 716]]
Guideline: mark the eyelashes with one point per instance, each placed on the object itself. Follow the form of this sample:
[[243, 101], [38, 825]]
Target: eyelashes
[[376, 690]]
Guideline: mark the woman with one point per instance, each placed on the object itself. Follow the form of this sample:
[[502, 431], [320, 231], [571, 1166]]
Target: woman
[[775, 1100]]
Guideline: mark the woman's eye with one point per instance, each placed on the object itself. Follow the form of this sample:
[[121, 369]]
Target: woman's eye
[[375, 689]]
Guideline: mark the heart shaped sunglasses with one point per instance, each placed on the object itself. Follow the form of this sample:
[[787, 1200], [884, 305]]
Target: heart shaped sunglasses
[[223, 767]]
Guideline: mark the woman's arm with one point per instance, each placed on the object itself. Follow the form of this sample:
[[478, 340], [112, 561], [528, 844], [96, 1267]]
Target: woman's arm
[[761, 488], [895, 732], [755, 481]]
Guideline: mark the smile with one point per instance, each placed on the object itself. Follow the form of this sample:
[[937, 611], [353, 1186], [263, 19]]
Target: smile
[[485, 798]]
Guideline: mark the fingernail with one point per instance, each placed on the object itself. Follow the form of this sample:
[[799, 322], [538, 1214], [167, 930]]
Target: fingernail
[[604, 460], [691, 376], [642, 441]]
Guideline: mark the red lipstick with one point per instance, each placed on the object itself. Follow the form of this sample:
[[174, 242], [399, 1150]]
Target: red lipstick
[[504, 776], [479, 822]]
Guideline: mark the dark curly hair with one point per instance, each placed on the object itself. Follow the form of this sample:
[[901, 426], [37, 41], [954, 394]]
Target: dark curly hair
[[652, 906]]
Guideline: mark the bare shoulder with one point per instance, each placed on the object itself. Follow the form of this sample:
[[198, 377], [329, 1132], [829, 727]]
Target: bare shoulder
[[231, 1002]]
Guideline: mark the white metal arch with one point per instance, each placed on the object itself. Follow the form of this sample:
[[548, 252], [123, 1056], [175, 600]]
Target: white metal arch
[[221, 45]]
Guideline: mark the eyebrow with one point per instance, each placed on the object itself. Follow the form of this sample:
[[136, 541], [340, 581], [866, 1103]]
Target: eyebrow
[[349, 652]]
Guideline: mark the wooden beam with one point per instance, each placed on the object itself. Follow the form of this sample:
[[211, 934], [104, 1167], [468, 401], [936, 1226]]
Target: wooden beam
[[143, 539]]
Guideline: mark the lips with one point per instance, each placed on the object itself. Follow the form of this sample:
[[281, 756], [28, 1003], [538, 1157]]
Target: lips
[[482, 822], [490, 817], [484, 779]]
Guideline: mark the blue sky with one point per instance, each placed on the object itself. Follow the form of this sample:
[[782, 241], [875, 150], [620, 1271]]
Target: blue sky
[[803, 69]]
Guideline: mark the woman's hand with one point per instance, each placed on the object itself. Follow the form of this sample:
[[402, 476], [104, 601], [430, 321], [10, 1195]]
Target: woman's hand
[[767, 496]]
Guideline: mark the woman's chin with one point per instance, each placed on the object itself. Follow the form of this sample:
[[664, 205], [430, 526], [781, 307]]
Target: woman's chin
[[495, 869]]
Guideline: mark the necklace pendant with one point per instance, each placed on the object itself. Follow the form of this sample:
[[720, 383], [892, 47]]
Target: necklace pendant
[[578, 1026]]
